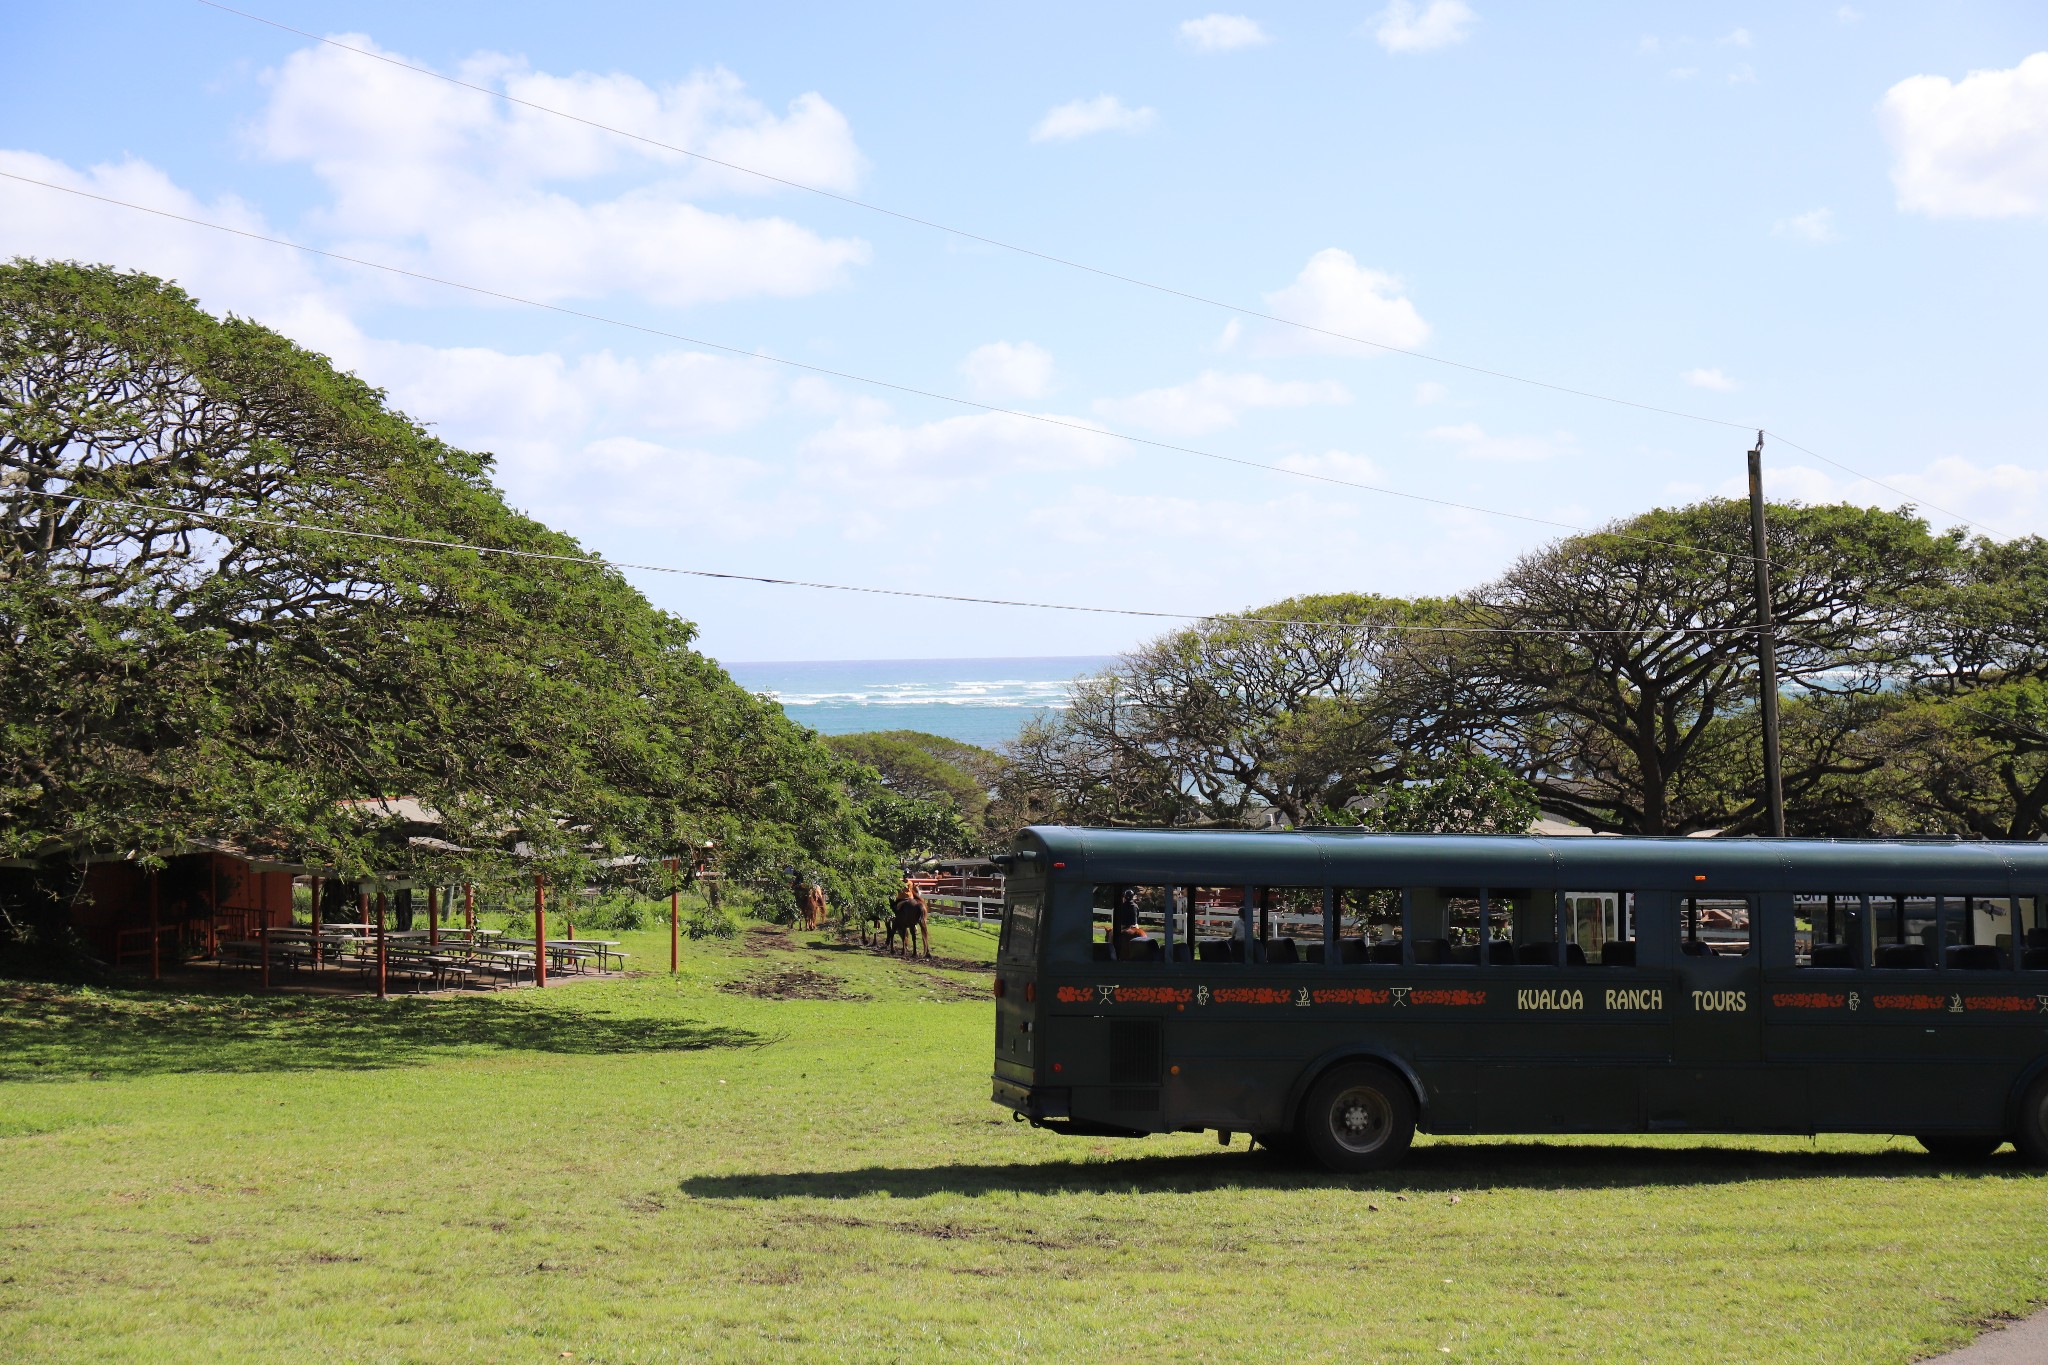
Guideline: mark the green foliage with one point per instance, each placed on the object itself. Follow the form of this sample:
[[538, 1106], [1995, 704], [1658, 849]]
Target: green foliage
[[1469, 795]]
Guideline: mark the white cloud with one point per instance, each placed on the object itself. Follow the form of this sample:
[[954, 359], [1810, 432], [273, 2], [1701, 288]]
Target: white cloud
[[921, 465], [1704, 378], [1337, 294], [1739, 38], [1428, 392], [1004, 369], [1079, 118], [1848, 14], [1974, 148], [2004, 499], [1648, 45], [1471, 440], [1682, 73], [1223, 33], [454, 182], [1404, 27], [1744, 74], [1815, 225], [1337, 464], [272, 283], [1214, 400]]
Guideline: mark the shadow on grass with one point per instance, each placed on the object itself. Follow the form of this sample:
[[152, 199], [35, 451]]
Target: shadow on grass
[[1464, 1166], [54, 1034]]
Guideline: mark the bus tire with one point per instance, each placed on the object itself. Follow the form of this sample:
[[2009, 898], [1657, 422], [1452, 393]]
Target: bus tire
[[2030, 1132], [1960, 1146], [1359, 1117]]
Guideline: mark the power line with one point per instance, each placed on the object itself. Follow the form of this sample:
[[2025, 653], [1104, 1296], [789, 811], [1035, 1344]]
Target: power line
[[599, 561], [1039, 417], [967, 235], [1067, 262]]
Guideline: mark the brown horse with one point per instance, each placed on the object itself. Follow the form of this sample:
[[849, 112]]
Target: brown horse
[[909, 916], [811, 908]]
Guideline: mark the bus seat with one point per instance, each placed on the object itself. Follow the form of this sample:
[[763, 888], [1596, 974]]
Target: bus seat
[[1974, 957], [1434, 951], [1574, 955], [2037, 938], [1215, 950], [1501, 953], [1312, 953], [2034, 959], [1389, 951], [1536, 954], [1101, 953], [1620, 953], [1905, 955], [1141, 950], [1693, 947], [1280, 952], [1181, 953], [1351, 950], [1464, 954], [1832, 955]]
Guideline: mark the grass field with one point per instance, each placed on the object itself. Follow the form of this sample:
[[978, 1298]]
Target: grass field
[[666, 1169]]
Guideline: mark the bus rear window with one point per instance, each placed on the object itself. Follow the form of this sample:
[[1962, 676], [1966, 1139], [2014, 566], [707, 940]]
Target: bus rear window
[[1023, 902]]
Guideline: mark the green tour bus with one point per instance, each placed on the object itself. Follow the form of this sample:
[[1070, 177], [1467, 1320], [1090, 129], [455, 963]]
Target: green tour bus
[[1331, 991]]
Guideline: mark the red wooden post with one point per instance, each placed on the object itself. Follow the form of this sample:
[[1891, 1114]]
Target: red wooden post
[[263, 937], [469, 907], [572, 931], [382, 961], [433, 916], [156, 933], [540, 930], [675, 914]]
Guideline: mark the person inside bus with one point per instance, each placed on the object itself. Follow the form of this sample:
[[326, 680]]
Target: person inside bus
[[1128, 940]]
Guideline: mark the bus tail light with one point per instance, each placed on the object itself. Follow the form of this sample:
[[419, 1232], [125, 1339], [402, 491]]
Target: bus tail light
[[999, 988], [1030, 992]]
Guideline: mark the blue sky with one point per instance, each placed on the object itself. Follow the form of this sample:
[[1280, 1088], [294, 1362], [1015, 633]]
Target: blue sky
[[1827, 219]]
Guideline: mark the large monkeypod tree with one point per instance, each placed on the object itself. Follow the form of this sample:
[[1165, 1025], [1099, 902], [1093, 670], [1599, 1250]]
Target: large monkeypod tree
[[192, 651]]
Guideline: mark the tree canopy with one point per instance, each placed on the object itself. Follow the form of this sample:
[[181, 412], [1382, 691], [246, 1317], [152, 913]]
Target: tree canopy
[[193, 652]]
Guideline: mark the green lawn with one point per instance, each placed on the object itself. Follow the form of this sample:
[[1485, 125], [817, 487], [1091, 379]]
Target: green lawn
[[658, 1169]]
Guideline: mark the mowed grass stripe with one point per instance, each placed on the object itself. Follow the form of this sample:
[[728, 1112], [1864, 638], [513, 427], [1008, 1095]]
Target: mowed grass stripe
[[651, 1169]]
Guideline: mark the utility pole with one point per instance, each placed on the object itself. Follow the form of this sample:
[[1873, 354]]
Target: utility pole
[[1766, 642]]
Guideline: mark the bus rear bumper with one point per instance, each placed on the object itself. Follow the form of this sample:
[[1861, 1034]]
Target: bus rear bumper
[[1034, 1102]]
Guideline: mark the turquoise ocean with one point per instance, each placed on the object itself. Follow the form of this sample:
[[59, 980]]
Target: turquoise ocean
[[979, 701]]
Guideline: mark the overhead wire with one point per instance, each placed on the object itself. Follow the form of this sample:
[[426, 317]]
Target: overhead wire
[[600, 561], [1045, 419], [1049, 257]]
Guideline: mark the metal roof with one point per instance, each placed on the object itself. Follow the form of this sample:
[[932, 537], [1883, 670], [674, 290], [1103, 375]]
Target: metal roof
[[1356, 858]]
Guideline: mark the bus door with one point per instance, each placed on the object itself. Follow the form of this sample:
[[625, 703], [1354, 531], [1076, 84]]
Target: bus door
[[1717, 1079]]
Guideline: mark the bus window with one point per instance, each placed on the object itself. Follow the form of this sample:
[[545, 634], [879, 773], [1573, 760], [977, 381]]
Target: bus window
[[1217, 934], [2030, 925], [1970, 933], [1904, 931], [1289, 923], [1528, 920], [1130, 924], [1461, 925], [1022, 902], [1828, 931], [1715, 926], [1600, 928], [1368, 924]]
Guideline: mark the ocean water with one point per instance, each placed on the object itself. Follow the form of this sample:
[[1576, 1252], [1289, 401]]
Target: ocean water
[[978, 701]]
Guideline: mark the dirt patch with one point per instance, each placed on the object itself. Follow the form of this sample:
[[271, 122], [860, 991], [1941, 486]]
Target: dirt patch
[[763, 939], [791, 983], [947, 988]]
